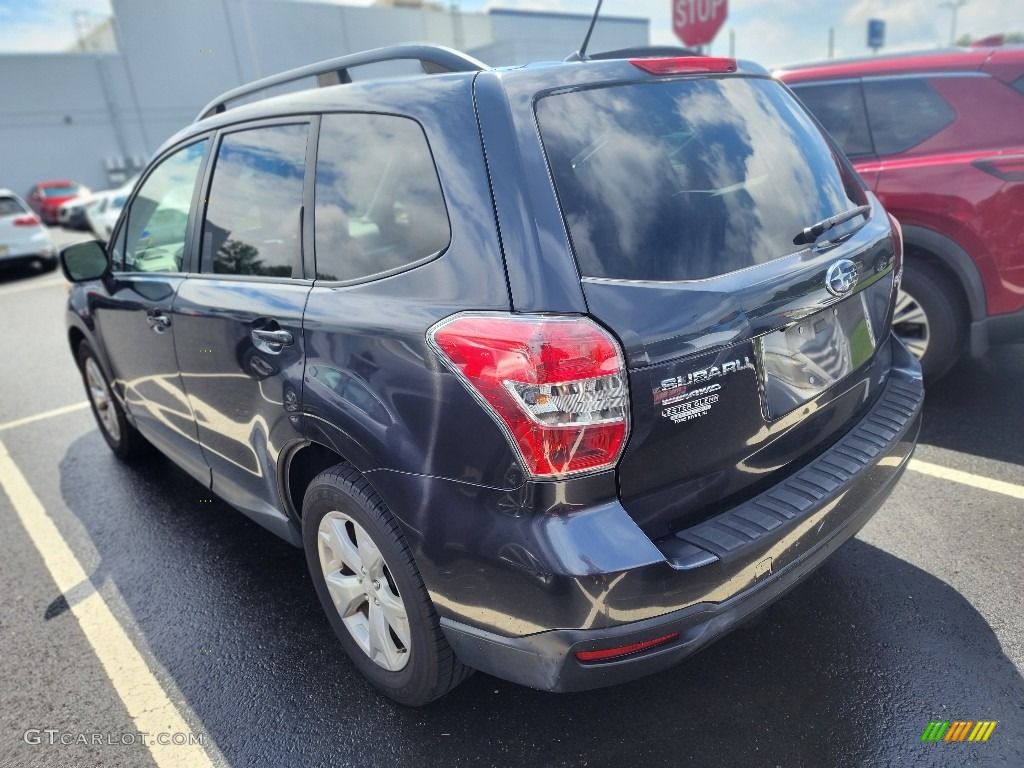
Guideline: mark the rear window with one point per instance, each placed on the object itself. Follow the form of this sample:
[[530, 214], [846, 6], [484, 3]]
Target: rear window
[[62, 191], [10, 207], [684, 180]]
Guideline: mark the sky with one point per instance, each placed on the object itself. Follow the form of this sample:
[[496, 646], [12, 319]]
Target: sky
[[772, 32]]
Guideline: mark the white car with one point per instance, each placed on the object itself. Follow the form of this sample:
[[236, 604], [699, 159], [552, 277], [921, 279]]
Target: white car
[[71, 213], [101, 214], [23, 237]]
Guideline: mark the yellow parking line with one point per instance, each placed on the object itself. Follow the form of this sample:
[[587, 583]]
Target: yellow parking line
[[143, 696], [967, 478], [45, 415]]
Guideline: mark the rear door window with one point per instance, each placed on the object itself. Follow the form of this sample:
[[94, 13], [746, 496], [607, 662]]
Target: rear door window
[[688, 179], [252, 215], [379, 206], [904, 112], [839, 107]]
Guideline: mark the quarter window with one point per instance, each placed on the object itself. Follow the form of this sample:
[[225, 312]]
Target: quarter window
[[839, 107], [252, 215], [379, 206], [154, 238], [904, 112]]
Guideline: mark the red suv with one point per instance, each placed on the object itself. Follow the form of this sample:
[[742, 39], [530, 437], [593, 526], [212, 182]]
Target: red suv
[[45, 198], [939, 137]]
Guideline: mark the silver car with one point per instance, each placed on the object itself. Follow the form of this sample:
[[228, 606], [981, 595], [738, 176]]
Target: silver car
[[23, 237]]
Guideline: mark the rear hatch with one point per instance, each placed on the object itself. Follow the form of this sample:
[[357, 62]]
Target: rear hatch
[[751, 344]]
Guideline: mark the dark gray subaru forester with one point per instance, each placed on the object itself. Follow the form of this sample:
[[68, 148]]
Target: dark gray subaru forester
[[557, 372]]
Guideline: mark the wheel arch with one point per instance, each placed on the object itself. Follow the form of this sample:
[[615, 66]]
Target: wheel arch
[[299, 465], [75, 337], [952, 259]]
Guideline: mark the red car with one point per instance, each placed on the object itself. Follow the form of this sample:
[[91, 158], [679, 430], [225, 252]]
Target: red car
[[939, 137], [46, 196]]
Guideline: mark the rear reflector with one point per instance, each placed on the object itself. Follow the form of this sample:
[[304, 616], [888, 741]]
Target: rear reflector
[[1005, 167], [681, 65], [897, 249], [26, 221], [556, 385], [624, 650]]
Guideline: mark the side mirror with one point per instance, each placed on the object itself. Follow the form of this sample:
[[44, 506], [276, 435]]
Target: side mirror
[[84, 261]]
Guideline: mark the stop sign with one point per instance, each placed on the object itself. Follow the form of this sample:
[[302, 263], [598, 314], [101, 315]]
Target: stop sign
[[696, 22]]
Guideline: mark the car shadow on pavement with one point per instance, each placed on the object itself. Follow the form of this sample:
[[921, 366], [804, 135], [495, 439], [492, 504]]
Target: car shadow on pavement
[[848, 669], [975, 408], [10, 275]]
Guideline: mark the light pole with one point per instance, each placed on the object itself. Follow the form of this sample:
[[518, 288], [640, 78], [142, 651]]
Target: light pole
[[953, 5]]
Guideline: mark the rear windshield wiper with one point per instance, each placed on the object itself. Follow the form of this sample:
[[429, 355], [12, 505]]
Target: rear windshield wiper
[[813, 232]]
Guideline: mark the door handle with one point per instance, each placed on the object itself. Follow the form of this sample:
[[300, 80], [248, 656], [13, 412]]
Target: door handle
[[158, 322], [278, 338]]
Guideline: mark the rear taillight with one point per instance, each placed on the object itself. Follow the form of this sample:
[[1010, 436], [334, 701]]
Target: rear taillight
[[1005, 167], [26, 221], [555, 384], [683, 65]]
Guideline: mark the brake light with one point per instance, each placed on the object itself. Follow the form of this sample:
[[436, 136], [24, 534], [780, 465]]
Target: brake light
[[624, 650], [681, 65], [26, 221], [555, 385], [1005, 167]]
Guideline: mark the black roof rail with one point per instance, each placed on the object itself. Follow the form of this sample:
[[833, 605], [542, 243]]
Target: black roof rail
[[434, 59]]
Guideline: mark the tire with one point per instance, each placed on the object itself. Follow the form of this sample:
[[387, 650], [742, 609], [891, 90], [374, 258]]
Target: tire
[[124, 440], [48, 264], [412, 664], [930, 319]]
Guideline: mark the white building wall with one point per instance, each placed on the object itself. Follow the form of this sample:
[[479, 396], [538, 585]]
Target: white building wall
[[65, 115]]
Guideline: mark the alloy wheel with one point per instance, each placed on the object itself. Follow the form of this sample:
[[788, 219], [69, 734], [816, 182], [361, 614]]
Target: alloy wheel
[[363, 591], [910, 324], [102, 400]]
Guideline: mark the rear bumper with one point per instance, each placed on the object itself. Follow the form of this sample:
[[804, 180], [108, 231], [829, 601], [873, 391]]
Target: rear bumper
[[26, 252], [725, 568]]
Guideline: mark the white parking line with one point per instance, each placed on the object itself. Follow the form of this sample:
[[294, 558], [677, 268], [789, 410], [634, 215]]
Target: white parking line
[[967, 478], [143, 696], [45, 415]]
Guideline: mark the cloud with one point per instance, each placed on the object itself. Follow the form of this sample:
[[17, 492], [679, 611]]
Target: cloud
[[35, 25]]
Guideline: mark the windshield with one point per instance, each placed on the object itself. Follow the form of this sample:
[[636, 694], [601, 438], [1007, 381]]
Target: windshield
[[61, 191], [688, 179]]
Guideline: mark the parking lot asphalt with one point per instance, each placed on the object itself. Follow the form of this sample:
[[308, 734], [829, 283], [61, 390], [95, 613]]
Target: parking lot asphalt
[[920, 618]]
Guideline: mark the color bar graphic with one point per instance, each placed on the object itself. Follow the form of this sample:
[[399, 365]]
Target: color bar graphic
[[959, 730]]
